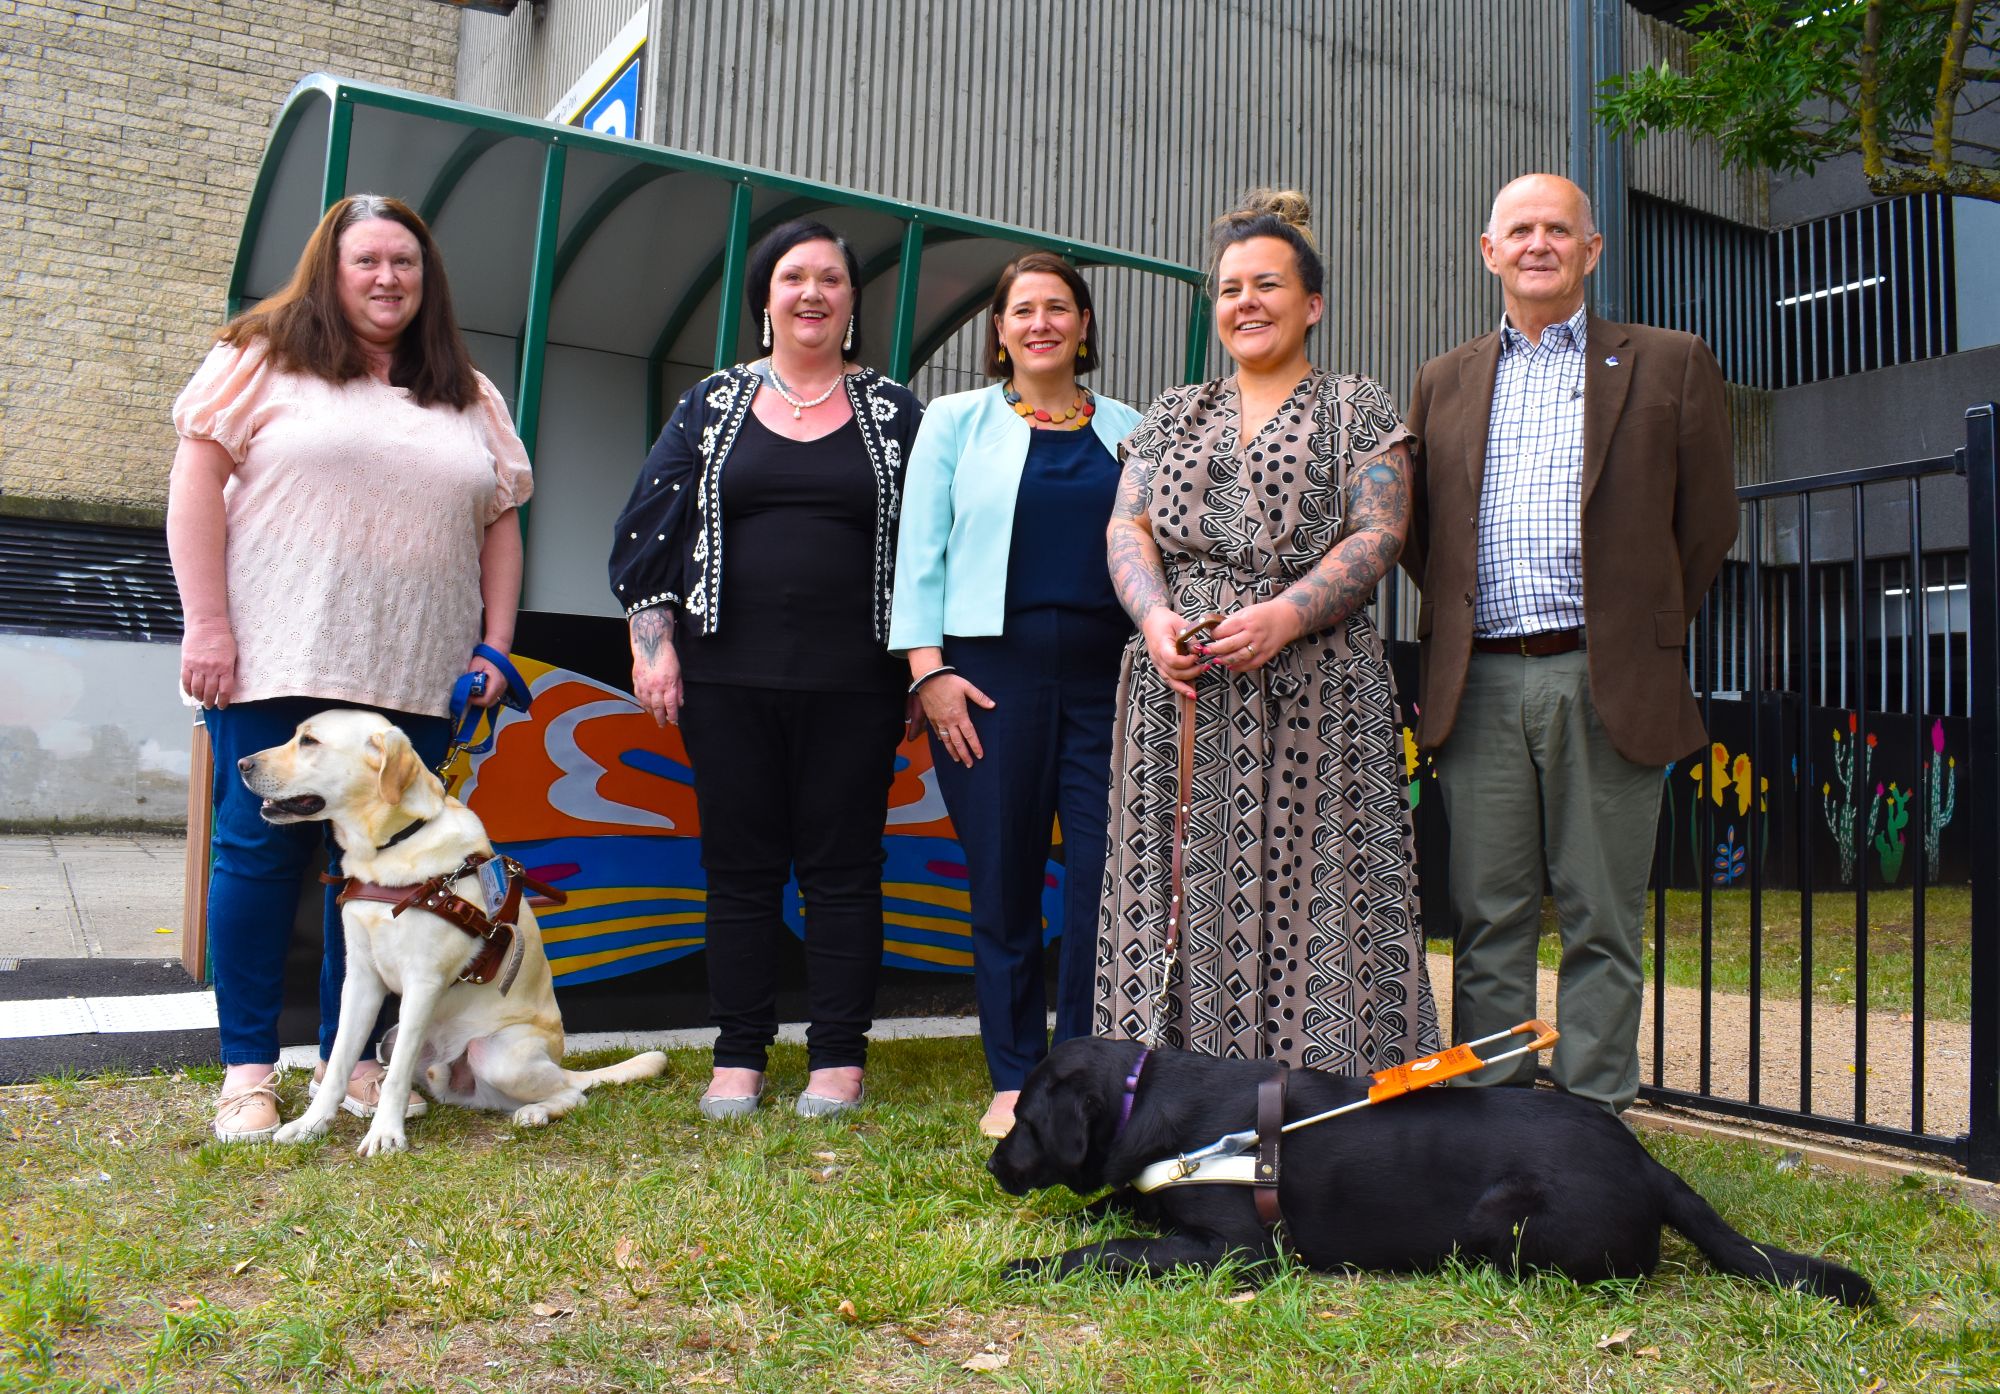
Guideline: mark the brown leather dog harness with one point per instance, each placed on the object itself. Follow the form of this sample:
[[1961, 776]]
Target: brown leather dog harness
[[496, 934]]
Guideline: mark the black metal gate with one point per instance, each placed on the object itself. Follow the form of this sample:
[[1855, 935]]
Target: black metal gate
[[1849, 670]]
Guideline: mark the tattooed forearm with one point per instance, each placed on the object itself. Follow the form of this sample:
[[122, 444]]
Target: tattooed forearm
[[1136, 573], [651, 629], [1378, 518], [1129, 549]]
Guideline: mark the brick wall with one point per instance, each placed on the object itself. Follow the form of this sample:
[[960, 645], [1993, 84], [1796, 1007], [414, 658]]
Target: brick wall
[[130, 134]]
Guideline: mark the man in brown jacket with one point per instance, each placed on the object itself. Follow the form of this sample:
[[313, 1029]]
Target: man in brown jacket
[[1573, 500]]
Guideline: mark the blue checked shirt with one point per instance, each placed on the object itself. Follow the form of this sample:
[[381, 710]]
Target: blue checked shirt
[[1531, 496]]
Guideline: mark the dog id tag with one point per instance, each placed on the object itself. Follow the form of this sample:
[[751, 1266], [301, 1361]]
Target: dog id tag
[[493, 886]]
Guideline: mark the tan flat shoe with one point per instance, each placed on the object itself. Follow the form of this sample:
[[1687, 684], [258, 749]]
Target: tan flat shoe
[[364, 1093], [998, 1120], [249, 1114]]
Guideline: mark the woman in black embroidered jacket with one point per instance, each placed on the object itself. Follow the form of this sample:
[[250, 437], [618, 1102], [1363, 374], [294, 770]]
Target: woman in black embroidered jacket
[[754, 561]]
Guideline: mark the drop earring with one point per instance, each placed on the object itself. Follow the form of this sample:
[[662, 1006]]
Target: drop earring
[[1003, 355], [767, 329], [847, 343], [1083, 350]]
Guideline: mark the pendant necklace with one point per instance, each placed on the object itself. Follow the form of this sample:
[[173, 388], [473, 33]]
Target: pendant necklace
[[798, 406]]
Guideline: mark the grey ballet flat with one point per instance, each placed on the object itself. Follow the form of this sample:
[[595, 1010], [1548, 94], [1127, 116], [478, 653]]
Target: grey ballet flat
[[719, 1107], [811, 1105]]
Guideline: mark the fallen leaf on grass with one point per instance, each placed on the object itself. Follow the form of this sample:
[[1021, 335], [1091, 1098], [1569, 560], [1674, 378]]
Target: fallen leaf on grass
[[847, 1311], [1241, 1297], [817, 1177], [916, 1338], [1617, 1340], [827, 1156], [551, 1309], [239, 1270], [621, 1253], [987, 1360], [184, 1304], [1647, 1352]]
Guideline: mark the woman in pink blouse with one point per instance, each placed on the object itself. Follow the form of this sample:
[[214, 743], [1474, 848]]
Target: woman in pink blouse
[[342, 525]]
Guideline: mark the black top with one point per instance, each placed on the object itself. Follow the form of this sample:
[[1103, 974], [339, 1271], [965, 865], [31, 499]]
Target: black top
[[1055, 559], [798, 527]]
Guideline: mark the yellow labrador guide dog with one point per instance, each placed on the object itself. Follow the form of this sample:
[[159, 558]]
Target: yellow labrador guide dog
[[494, 1044]]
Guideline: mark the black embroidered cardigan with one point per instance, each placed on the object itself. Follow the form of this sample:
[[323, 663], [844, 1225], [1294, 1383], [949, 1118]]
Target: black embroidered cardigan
[[667, 546]]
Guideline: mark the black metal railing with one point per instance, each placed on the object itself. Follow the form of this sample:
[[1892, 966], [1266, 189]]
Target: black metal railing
[[1816, 662]]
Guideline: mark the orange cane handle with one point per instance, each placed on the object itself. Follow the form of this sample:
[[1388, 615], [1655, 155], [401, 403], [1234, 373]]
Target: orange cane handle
[[1545, 1034], [1420, 1074]]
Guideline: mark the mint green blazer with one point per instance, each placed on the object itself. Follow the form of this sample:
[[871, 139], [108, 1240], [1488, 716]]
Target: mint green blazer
[[958, 514]]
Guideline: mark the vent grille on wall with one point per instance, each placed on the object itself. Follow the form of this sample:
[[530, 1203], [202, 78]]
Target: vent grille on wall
[[85, 580]]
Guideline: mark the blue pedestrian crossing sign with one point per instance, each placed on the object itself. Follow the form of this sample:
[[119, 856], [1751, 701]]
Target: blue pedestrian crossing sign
[[615, 110]]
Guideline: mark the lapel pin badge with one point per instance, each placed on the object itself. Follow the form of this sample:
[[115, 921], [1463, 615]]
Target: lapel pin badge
[[1610, 360]]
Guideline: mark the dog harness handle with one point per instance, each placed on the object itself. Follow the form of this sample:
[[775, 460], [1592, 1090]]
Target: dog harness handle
[[1270, 1132]]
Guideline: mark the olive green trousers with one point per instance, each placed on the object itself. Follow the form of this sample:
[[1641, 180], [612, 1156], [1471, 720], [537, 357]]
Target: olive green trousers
[[1532, 785]]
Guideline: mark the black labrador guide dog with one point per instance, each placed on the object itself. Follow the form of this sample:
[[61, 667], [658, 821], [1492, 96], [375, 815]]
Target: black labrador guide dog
[[1518, 1178]]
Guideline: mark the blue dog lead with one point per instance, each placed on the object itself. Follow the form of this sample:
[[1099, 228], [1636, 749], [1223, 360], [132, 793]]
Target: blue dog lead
[[465, 717]]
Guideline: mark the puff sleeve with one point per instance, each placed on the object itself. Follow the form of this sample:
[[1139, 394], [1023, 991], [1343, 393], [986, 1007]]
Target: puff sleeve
[[649, 542], [225, 400], [513, 477]]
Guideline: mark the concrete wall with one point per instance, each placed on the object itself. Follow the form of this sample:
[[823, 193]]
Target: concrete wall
[[130, 134], [90, 733]]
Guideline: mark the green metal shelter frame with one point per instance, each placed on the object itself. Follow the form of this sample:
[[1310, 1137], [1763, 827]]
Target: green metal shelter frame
[[555, 235]]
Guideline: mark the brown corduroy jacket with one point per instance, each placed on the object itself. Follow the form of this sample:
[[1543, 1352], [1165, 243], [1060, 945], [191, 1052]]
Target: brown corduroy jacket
[[1659, 516]]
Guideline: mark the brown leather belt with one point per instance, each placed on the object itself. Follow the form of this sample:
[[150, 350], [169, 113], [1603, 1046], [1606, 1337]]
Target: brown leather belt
[[1544, 645]]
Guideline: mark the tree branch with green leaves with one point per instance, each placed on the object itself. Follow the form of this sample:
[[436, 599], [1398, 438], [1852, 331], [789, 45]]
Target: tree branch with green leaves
[[1786, 84]]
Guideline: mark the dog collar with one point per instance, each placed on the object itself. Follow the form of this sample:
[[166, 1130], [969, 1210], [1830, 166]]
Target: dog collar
[[1131, 1092], [406, 832]]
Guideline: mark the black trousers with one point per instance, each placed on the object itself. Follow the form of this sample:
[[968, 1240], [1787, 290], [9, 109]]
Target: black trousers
[[792, 783]]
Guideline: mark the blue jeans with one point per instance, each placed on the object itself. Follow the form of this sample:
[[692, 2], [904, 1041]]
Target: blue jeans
[[254, 873]]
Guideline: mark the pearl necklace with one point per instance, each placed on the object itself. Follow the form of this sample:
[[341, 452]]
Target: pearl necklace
[[798, 406]]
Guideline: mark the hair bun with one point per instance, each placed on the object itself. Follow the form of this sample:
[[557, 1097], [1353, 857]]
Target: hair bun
[[1288, 206]]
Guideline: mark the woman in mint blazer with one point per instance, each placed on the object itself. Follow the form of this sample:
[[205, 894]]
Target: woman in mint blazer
[[1005, 610]]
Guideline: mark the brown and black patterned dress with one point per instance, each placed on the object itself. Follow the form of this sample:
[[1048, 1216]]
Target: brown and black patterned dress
[[1302, 940]]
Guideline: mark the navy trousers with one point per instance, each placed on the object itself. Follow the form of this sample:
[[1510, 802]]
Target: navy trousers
[[254, 873], [1054, 679]]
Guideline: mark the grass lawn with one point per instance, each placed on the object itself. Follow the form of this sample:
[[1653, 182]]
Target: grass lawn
[[633, 1247], [1891, 940]]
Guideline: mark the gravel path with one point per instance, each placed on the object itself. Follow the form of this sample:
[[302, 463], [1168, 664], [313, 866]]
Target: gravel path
[[1891, 1042]]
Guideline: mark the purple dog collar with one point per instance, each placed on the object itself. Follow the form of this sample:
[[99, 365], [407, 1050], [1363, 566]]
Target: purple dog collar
[[1131, 1090]]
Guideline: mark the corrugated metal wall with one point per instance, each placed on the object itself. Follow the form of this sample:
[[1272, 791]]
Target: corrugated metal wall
[[1663, 166], [1133, 123], [525, 62]]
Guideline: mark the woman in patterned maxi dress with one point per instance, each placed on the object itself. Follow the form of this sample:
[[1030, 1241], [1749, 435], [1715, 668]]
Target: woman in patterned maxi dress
[[1301, 938]]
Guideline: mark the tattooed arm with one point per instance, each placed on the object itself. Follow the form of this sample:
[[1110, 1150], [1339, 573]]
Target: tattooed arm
[[656, 668], [1378, 517], [1140, 579]]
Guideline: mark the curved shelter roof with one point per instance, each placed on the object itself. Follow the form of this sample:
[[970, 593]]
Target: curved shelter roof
[[556, 237]]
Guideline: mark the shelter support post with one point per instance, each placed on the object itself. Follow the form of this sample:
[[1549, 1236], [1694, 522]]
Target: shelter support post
[[541, 287], [729, 309], [903, 341], [1196, 369], [339, 133]]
